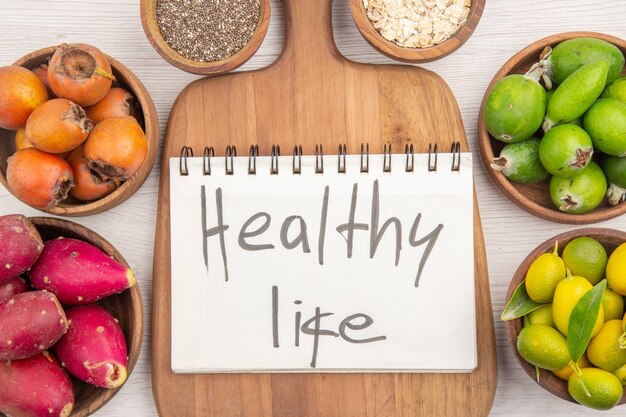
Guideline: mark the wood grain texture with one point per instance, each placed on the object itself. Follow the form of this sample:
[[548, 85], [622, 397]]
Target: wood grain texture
[[535, 198], [506, 27], [126, 307], [153, 33], [610, 239], [150, 123], [312, 95], [415, 55]]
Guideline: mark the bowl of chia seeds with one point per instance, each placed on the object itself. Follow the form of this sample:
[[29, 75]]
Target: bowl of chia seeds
[[205, 37]]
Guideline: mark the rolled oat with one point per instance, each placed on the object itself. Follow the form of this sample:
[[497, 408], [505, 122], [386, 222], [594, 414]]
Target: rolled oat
[[417, 23]]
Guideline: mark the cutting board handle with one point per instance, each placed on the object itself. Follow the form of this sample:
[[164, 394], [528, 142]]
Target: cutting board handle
[[309, 32]]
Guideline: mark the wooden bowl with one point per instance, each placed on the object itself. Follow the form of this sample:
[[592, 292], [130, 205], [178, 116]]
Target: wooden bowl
[[535, 198], [126, 307], [415, 55], [151, 28], [150, 123], [610, 239]]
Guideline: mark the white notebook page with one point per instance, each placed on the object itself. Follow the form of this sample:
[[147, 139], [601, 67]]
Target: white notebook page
[[298, 273]]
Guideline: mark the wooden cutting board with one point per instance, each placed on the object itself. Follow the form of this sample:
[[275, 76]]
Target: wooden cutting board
[[313, 95]]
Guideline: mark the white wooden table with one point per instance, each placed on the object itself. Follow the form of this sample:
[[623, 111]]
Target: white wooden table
[[510, 233]]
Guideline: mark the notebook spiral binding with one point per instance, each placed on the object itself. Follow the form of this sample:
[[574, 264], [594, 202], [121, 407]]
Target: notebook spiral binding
[[231, 152]]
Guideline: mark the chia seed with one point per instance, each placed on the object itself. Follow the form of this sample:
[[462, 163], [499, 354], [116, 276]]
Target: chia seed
[[207, 30]]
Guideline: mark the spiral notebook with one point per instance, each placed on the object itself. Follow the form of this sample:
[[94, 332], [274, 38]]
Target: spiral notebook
[[322, 263]]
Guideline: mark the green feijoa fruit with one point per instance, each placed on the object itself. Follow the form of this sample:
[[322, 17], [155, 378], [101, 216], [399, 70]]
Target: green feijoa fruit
[[515, 108], [616, 90], [543, 346], [576, 94], [606, 124], [520, 162], [577, 121], [566, 150], [572, 54], [579, 194], [615, 171]]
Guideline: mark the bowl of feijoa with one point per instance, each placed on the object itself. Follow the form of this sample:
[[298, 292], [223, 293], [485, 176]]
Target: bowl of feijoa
[[552, 128]]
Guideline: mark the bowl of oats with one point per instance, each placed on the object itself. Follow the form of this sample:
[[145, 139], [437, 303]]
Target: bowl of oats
[[416, 30]]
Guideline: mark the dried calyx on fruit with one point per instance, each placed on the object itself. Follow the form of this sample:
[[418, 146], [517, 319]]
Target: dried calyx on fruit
[[88, 184], [38, 178], [81, 73], [520, 162], [116, 148], [57, 126]]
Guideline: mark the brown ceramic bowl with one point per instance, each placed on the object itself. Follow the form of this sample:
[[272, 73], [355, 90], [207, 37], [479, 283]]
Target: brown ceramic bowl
[[126, 307], [535, 198], [610, 239], [125, 78], [415, 55], [151, 28]]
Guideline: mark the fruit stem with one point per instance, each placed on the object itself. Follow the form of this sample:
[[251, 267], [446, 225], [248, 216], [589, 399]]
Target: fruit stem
[[545, 61], [132, 279], [545, 54], [616, 194], [579, 374], [555, 252], [535, 72], [67, 410], [621, 342], [537, 373], [105, 74], [547, 125], [500, 163]]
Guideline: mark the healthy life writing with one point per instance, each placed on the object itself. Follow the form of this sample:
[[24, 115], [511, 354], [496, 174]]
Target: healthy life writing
[[294, 235]]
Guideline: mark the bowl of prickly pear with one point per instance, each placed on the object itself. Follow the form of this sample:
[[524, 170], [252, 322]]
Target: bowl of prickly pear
[[548, 292], [98, 297], [571, 81], [84, 133]]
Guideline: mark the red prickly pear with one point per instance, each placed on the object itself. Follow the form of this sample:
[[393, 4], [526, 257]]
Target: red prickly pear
[[35, 387], [78, 272], [12, 287], [94, 348], [20, 245], [30, 323]]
